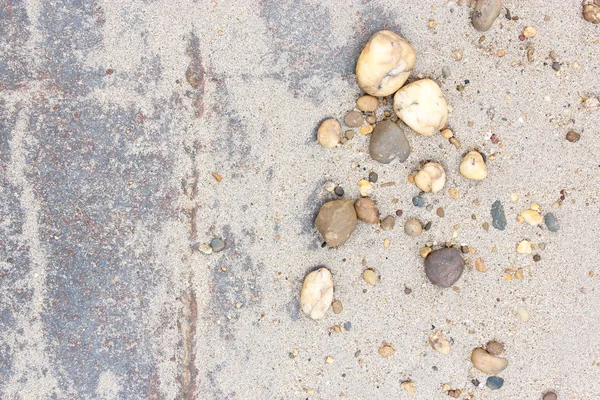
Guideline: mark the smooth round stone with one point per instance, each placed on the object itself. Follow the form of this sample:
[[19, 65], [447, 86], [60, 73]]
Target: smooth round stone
[[550, 396], [354, 119], [551, 222], [485, 13], [494, 382], [418, 201], [387, 224], [367, 103], [388, 141], [336, 221], [217, 245], [444, 267]]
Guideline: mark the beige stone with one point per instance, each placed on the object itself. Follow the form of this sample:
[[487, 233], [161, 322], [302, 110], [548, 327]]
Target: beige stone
[[317, 293]]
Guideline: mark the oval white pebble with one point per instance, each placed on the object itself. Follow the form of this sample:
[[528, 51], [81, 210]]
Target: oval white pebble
[[523, 313]]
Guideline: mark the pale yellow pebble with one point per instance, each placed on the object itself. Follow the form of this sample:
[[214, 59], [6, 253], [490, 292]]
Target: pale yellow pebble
[[370, 277], [532, 217], [238, 304], [365, 188], [534, 206], [520, 219], [431, 178], [514, 197], [473, 167], [409, 386], [309, 392], [529, 32], [457, 54], [480, 265], [508, 277], [523, 313], [453, 193], [329, 360], [424, 252], [524, 247], [447, 133], [556, 205], [519, 274], [295, 352], [411, 178], [446, 387], [386, 243], [439, 343], [366, 129]]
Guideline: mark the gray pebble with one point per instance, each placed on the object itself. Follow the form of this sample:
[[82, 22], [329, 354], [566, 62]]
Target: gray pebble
[[556, 66], [485, 13], [418, 201], [444, 267], [353, 119], [217, 245], [339, 191], [494, 382], [445, 72], [347, 325], [388, 141], [429, 207], [498, 216], [427, 226], [551, 222], [373, 177]]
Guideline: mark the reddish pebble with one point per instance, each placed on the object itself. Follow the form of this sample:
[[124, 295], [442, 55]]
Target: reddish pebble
[[109, 71], [399, 213], [494, 138], [521, 37], [550, 396]]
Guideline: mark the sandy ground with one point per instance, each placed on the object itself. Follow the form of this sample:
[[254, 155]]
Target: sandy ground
[[114, 115]]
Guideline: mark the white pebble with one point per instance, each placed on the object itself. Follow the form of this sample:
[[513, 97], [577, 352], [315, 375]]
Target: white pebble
[[523, 313]]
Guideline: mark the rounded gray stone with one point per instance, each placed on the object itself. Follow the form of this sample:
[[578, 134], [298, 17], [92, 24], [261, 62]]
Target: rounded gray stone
[[444, 267], [388, 141], [485, 13]]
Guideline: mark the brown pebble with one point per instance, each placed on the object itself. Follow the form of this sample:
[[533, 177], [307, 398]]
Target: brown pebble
[[573, 136], [550, 396], [349, 134], [407, 290], [353, 119], [388, 223], [464, 249], [371, 119], [537, 258], [399, 213], [530, 56], [485, 226], [386, 351], [444, 267], [337, 307], [367, 103], [440, 212], [494, 347]]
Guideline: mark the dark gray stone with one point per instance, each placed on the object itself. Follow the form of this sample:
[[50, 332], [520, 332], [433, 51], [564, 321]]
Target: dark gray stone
[[551, 222], [388, 142], [498, 216], [444, 267], [494, 382]]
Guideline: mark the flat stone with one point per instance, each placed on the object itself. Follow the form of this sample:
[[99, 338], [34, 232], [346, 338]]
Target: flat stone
[[494, 382], [389, 142], [444, 267], [217, 245], [551, 222], [498, 216]]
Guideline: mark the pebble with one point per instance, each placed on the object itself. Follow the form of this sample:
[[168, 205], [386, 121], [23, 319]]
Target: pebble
[[337, 306], [551, 222], [529, 32], [317, 293], [480, 265], [328, 134], [439, 343], [329, 360], [421, 106], [354, 119], [339, 191], [485, 13], [425, 251], [591, 13], [447, 133], [494, 382], [453, 193], [409, 386], [371, 119], [367, 103], [537, 258], [365, 188], [431, 178], [523, 313], [366, 129], [349, 134], [388, 223], [495, 348], [418, 201], [217, 245], [373, 177], [388, 142], [550, 396], [573, 136], [457, 54], [556, 66], [399, 213], [455, 142], [498, 216], [488, 363], [336, 221], [532, 217], [524, 247], [206, 249], [366, 210], [384, 64], [440, 212], [445, 72], [444, 267], [530, 53], [412, 227], [473, 167], [370, 277], [427, 226], [386, 351], [347, 325]]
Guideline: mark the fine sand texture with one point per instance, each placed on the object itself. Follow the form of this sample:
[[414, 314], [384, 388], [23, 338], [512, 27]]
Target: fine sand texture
[[114, 115]]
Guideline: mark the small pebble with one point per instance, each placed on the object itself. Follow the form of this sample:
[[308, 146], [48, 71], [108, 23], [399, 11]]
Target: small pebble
[[444, 267], [373, 177], [389, 142], [386, 351], [495, 348], [371, 119], [498, 216], [328, 134], [337, 306], [485, 13], [523, 313], [447, 133], [347, 325], [551, 222], [418, 201], [532, 217], [336, 221], [217, 245], [457, 54], [206, 249], [445, 72], [439, 343], [409, 386], [317, 293], [529, 32], [354, 119], [365, 188], [366, 129], [349, 135], [530, 53], [429, 207], [473, 166], [494, 382], [427, 226], [537, 258], [367, 103], [550, 396], [476, 382], [370, 277], [524, 247], [591, 13], [339, 191], [480, 265], [556, 66], [329, 360], [412, 227], [388, 223], [425, 251], [407, 290], [573, 136], [488, 363], [399, 213], [440, 212]]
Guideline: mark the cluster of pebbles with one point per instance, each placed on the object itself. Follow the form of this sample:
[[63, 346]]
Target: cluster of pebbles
[[382, 69]]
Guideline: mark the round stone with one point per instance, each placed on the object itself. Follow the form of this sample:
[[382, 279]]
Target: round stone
[[387, 224], [444, 267], [485, 13], [339, 191], [367, 103], [336, 221], [573, 136], [494, 382], [373, 177], [217, 245], [388, 142], [354, 119], [550, 396], [551, 222], [418, 201], [413, 227]]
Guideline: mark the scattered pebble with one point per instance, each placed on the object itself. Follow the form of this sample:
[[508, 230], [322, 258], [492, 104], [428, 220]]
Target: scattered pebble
[[329, 360], [386, 243], [495, 348], [556, 66], [425, 251], [388, 142], [457, 54], [339, 191], [373, 177], [371, 119], [409, 386], [453, 193], [399, 213], [217, 245], [591, 13], [328, 134], [388, 223], [336, 221], [480, 265], [498, 216], [384, 64], [317, 293], [550, 396], [370, 277], [529, 32], [365, 188], [524, 247], [354, 119], [488, 363], [530, 52], [366, 129], [367, 103], [494, 382], [347, 325], [444, 267], [206, 249], [473, 167], [412, 227], [337, 307], [485, 13], [217, 177], [349, 134], [532, 217], [386, 351], [551, 222], [440, 212], [431, 178], [445, 72], [418, 201], [537, 258], [447, 133], [427, 226], [519, 274], [366, 210], [523, 313], [573, 136], [439, 343], [421, 106]]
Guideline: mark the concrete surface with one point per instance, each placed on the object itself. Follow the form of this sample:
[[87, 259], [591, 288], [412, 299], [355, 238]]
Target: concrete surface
[[114, 115]]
